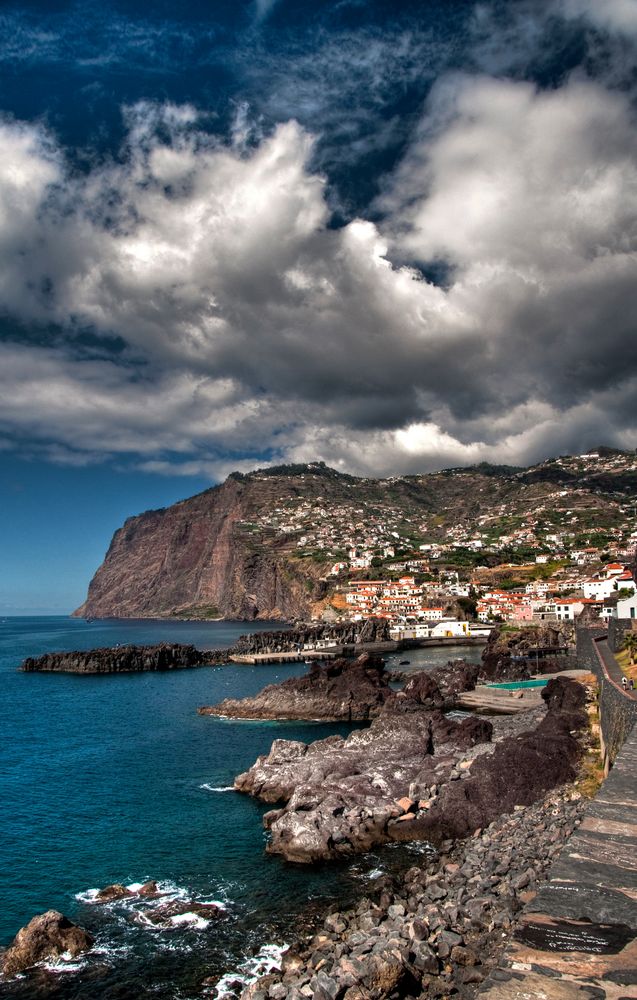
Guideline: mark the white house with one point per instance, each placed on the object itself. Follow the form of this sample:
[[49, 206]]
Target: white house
[[626, 608]]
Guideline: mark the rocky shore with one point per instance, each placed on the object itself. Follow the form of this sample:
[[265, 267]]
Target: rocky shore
[[439, 928], [118, 659], [175, 656], [345, 689], [415, 773]]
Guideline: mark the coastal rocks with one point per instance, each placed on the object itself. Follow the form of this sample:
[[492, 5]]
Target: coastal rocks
[[175, 912], [49, 935], [434, 930], [119, 659], [521, 768], [111, 893], [157, 906], [341, 796], [348, 690], [345, 795], [343, 633]]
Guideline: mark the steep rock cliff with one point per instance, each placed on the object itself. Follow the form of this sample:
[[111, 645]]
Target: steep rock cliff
[[197, 559]]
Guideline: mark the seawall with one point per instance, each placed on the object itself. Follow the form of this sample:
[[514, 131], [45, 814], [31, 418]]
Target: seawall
[[617, 708]]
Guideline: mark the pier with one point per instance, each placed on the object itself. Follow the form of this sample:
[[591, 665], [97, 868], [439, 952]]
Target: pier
[[260, 659]]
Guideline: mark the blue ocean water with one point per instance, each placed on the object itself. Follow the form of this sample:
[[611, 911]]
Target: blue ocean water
[[117, 779]]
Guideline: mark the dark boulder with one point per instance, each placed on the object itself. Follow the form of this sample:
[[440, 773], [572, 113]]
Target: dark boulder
[[47, 936]]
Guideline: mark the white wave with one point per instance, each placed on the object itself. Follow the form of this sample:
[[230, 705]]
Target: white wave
[[217, 788], [88, 896], [267, 959], [135, 886], [64, 963], [375, 873], [189, 920]]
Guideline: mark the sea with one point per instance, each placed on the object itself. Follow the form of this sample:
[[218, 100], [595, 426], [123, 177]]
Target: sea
[[116, 778]]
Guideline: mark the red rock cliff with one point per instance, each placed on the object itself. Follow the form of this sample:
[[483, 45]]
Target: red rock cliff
[[197, 559]]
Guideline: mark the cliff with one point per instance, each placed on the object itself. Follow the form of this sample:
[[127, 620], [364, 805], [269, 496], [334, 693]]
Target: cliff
[[199, 559], [262, 545]]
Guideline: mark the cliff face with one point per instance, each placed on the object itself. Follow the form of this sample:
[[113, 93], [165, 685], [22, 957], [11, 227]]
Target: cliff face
[[262, 545], [196, 559]]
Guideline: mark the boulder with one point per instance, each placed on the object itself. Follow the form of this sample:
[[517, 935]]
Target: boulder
[[112, 892], [48, 936]]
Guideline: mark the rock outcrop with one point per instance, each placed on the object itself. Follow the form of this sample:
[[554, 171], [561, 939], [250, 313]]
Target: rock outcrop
[[350, 690], [47, 936], [118, 660], [414, 774], [342, 633]]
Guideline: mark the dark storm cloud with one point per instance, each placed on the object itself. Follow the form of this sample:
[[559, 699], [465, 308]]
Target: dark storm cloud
[[251, 326]]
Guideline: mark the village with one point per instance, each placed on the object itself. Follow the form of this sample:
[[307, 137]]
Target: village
[[526, 559]]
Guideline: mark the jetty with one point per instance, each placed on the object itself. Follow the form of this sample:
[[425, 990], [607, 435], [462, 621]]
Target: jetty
[[349, 649], [260, 659]]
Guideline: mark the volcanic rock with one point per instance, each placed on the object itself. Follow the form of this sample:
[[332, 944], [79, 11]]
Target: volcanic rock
[[342, 795], [47, 936], [119, 659], [520, 770], [343, 689], [503, 655]]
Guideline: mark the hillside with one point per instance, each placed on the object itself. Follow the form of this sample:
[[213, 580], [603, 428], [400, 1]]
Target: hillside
[[271, 544]]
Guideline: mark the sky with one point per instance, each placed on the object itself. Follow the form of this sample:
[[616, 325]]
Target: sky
[[394, 237]]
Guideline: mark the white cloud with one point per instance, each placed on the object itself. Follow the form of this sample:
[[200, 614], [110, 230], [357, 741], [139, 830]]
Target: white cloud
[[613, 15], [252, 327]]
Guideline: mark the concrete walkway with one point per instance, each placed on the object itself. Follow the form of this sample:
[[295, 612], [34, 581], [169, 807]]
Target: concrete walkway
[[612, 666], [577, 940]]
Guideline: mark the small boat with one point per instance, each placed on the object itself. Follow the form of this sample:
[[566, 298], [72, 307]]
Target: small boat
[[404, 663]]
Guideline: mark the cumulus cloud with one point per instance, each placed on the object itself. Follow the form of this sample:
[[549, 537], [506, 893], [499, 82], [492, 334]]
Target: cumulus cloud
[[251, 327], [615, 15]]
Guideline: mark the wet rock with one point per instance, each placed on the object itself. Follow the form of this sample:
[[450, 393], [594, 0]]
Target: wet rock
[[112, 892], [47, 936], [344, 689], [119, 659]]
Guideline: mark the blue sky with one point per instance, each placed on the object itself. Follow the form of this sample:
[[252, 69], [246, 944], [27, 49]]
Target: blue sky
[[393, 237]]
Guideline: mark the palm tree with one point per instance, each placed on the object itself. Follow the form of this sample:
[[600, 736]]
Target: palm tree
[[630, 645]]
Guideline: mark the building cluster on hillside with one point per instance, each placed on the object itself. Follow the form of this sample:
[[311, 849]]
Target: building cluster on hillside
[[409, 603], [529, 553]]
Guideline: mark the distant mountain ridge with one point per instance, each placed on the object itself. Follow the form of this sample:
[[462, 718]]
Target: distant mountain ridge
[[262, 544]]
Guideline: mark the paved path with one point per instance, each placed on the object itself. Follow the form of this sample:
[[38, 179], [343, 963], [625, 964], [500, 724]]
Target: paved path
[[577, 940], [612, 666]]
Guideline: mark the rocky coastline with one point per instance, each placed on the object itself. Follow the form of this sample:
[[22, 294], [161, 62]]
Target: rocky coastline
[[439, 928], [341, 690], [415, 773], [175, 656], [118, 660]]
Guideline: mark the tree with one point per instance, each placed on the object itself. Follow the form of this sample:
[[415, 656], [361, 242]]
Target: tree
[[630, 645]]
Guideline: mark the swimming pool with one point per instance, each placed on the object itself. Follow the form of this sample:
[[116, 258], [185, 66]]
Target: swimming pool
[[513, 685]]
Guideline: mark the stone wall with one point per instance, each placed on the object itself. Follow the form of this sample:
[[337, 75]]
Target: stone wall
[[617, 710], [618, 715], [587, 658], [617, 629]]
